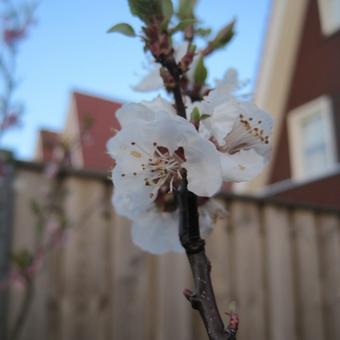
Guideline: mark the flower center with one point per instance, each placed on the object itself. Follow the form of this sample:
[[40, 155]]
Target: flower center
[[159, 168], [246, 133]]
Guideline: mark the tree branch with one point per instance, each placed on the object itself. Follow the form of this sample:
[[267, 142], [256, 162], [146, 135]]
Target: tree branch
[[203, 297], [24, 308]]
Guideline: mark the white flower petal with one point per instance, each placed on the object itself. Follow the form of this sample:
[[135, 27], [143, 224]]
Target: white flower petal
[[241, 166], [157, 232], [133, 187], [222, 119], [132, 112], [160, 105], [209, 213], [151, 82], [129, 204], [250, 110], [146, 111], [134, 148], [229, 83], [203, 168]]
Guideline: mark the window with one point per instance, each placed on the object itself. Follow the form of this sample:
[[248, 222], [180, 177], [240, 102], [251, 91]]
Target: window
[[329, 16], [311, 138]]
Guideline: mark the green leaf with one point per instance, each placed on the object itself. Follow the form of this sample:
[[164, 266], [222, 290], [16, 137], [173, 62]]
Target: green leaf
[[145, 9], [203, 32], [204, 116], [201, 72], [224, 36], [123, 28], [22, 258], [186, 9], [195, 115], [183, 25], [167, 9]]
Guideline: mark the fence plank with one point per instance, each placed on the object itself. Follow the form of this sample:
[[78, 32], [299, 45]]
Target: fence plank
[[308, 277], [329, 236], [220, 254], [279, 275], [131, 285], [86, 298], [249, 277], [174, 312], [29, 186]]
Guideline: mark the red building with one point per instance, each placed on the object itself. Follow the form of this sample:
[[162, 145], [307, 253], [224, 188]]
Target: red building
[[299, 81], [91, 121]]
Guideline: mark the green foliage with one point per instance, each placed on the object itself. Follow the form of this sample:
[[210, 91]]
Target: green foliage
[[195, 115], [201, 72], [22, 258], [186, 9], [183, 25], [204, 116], [123, 28], [224, 36], [167, 9], [146, 9], [203, 32]]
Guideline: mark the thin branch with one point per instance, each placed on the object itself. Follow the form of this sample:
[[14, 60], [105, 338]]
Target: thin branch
[[26, 303], [203, 297]]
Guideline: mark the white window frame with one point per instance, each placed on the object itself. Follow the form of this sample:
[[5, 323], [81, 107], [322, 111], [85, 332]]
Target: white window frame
[[328, 26], [323, 105]]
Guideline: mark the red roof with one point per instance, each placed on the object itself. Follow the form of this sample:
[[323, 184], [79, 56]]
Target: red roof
[[99, 115]]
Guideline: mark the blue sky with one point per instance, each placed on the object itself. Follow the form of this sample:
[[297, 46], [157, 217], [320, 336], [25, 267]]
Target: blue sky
[[68, 49]]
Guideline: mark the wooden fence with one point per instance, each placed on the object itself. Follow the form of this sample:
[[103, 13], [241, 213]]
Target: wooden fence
[[279, 262]]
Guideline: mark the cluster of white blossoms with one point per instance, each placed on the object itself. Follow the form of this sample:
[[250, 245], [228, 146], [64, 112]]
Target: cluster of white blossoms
[[155, 148]]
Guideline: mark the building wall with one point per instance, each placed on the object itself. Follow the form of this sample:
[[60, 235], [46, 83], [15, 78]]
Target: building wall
[[323, 191], [317, 72]]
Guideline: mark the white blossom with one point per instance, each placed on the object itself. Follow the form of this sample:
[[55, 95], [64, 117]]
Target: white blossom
[[240, 131], [157, 232], [145, 111], [154, 154], [229, 83]]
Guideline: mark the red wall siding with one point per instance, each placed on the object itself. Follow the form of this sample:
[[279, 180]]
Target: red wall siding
[[317, 72], [323, 192]]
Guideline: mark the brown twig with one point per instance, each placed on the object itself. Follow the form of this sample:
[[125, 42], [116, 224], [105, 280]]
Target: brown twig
[[203, 297], [26, 303]]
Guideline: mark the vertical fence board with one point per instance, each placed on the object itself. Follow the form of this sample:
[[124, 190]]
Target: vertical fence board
[[220, 255], [29, 186], [308, 281], [329, 236], [279, 271], [86, 291], [131, 285], [249, 269], [175, 314]]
